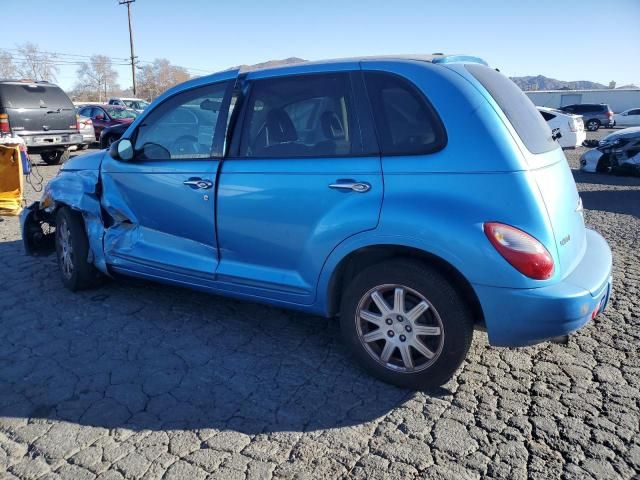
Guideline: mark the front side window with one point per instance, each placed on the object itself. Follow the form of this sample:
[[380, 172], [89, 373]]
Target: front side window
[[300, 116], [406, 123], [519, 110], [184, 126], [121, 113]]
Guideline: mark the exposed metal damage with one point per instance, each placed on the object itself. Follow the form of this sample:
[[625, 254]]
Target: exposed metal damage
[[108, 221]]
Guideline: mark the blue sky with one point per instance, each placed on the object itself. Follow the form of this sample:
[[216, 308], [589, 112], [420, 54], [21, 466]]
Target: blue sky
[[563, 39]]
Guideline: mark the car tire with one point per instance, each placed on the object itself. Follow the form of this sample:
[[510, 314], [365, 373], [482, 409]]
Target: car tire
[[388, 343], [105, 142], [593, 125], [72, 250], [54, 157]]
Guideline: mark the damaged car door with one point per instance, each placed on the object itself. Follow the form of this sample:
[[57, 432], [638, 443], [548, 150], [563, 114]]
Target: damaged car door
[[160, 203]]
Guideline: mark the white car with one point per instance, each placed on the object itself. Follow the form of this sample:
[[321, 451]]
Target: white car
[[628, 118], [571, 127], [136, 104]]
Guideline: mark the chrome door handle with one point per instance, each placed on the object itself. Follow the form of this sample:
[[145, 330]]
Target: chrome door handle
[[360, 187], [197, 183]]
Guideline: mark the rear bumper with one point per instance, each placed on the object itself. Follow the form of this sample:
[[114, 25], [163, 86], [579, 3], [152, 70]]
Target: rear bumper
[[520, 317], [51, 141]]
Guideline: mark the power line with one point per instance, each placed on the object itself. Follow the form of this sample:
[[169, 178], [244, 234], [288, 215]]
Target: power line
[[78, 60]]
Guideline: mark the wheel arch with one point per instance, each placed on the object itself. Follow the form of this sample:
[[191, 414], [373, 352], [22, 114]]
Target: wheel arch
[[357, 259]]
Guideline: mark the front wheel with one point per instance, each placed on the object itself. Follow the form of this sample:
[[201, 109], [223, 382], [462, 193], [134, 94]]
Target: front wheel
[[406, 324], [72, 250], [593, 125]]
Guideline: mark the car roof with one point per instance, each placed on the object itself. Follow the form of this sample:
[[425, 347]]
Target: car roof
[[437, 58]]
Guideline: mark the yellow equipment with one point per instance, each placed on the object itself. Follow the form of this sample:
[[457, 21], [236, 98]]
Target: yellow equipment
[[11, 180]]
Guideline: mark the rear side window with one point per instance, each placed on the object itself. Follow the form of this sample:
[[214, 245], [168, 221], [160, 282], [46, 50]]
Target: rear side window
[[523, 115], [33, 95], [405, 121], [300, 116]]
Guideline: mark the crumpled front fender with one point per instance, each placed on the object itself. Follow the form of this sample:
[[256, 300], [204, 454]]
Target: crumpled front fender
[[78, 190]]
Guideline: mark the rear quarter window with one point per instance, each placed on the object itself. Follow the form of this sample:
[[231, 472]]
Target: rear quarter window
[[406, 123], [29, 95], [521, 112]]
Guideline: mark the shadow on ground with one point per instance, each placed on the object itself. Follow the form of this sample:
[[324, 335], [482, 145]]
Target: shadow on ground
[[146, 356], [626, 202]]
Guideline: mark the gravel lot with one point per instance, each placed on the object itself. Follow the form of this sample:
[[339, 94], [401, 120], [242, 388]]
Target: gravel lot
[[138, 380]]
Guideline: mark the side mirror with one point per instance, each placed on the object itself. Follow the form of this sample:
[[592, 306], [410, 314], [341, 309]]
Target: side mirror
[[122, 150], [99, 117], [625, 114]]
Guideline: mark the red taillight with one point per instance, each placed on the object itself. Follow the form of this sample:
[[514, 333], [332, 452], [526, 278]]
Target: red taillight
[[609, 114], [78, 122], [521, 250], [4, 123]]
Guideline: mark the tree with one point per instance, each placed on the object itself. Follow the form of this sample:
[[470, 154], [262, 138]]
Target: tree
[[36, 64], [7, 67], [97, 78], [159, 76], [612, 84]]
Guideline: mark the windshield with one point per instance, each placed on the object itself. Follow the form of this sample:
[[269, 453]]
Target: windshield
[[136, 104], [122, 113], [32, 95]]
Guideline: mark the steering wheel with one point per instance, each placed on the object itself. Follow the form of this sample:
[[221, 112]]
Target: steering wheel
[[185, 145]]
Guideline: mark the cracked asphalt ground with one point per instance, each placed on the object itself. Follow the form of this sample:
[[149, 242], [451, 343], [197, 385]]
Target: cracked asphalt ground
[[144, 381]]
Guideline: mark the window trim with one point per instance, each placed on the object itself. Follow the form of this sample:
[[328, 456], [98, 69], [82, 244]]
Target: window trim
[[237, 125], [442, 138], [217, 151]]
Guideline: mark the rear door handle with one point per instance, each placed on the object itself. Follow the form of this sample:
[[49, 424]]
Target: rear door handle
[[198, 183], [360, 187]]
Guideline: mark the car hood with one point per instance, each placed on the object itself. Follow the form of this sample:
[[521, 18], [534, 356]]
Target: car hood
[[88, 161], [624, 133]]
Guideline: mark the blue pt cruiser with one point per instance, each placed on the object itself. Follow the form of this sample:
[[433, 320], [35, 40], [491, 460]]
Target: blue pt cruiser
[[414, 197]]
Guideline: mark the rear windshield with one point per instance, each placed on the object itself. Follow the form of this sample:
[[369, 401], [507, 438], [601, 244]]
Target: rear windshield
[[30, 95], [521, 112]]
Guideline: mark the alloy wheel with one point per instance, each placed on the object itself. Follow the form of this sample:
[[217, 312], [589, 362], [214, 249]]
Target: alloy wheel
[[66, 249], [399, 328]]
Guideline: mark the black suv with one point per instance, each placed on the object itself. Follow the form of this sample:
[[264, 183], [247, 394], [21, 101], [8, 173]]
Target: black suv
[[42, 115], [594, 115]]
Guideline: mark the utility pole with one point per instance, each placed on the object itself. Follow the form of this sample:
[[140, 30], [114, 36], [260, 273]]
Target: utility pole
[[133, 57]]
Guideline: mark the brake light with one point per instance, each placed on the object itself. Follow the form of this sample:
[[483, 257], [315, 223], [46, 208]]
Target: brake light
[[4, 123], [521, 250], [609, 114], [78, 122]]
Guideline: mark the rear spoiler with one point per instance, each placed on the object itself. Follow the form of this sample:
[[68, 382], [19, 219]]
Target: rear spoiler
[[459, 59]]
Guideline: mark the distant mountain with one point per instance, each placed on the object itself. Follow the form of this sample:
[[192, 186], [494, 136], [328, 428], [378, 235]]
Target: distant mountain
[[540, 82], [270, 63]]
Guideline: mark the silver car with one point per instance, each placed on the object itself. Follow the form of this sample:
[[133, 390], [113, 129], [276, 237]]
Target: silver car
[[85, 125]]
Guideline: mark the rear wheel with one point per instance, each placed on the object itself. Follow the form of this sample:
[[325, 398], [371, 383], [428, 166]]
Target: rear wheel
[[406, 324], [593, 125], [72, 250], [54, 157]]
